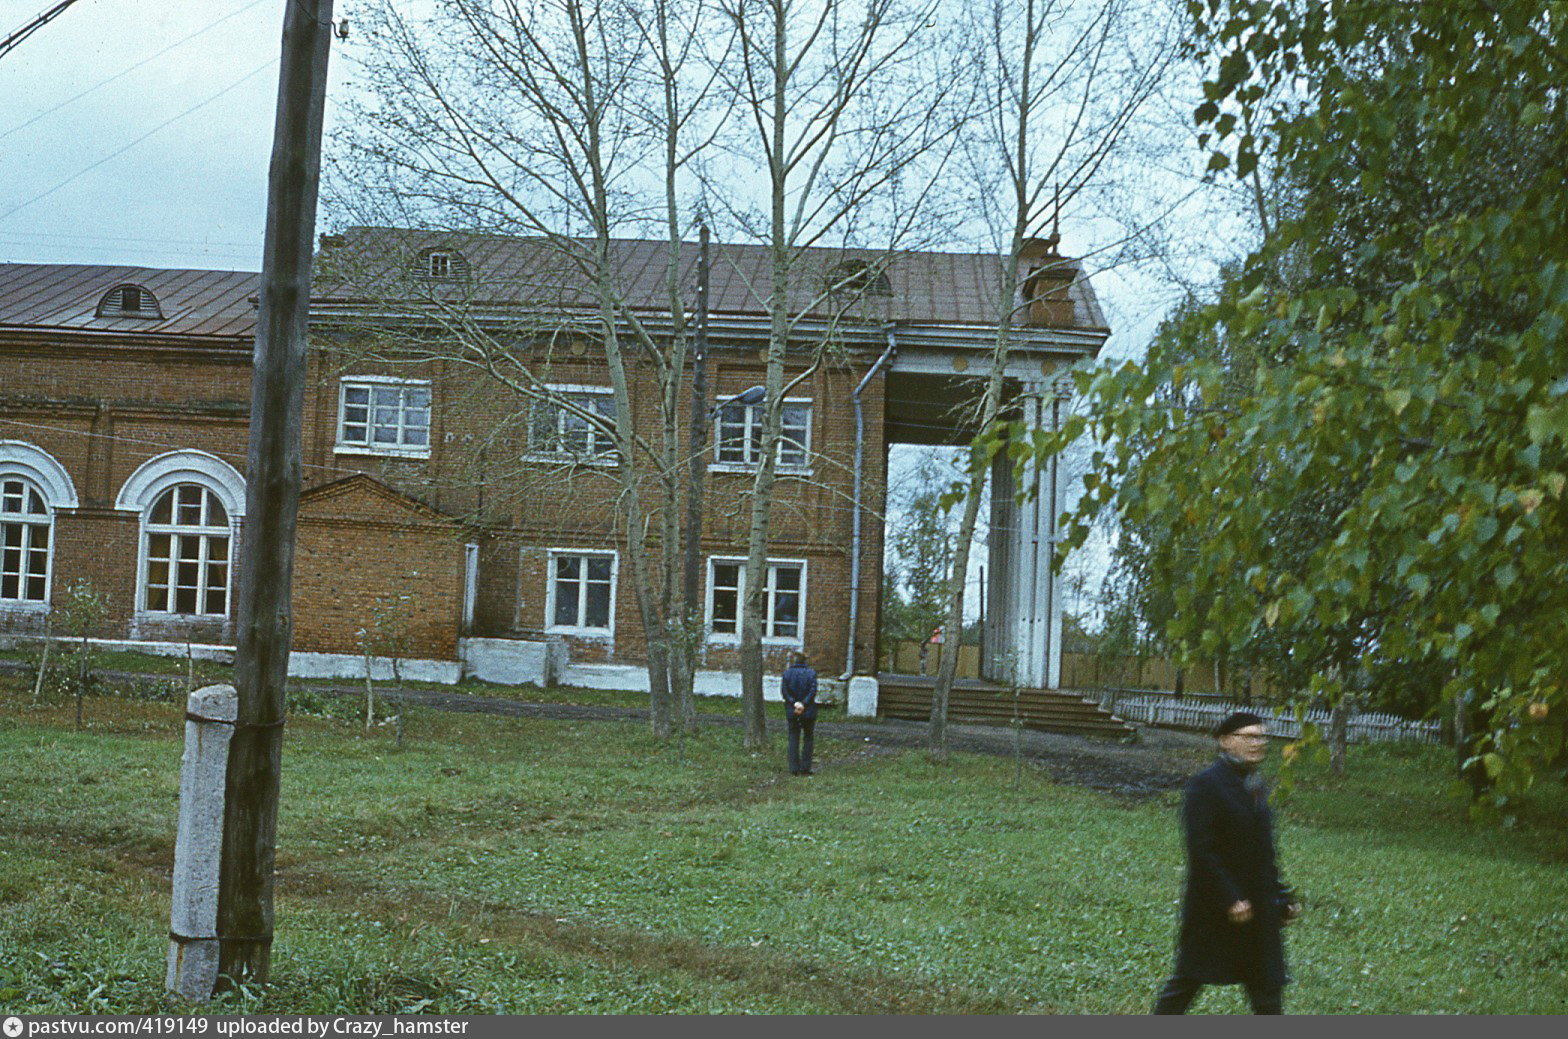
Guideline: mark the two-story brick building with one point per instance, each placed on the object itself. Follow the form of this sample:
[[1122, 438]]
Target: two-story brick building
[[428, 480]]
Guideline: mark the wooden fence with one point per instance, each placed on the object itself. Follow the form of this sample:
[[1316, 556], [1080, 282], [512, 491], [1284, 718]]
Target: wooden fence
[[1167, 711]]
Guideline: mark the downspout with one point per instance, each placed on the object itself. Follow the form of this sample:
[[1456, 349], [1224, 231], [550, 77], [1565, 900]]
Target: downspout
[[860, 461]]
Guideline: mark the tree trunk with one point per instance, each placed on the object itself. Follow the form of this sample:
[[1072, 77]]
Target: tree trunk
[[81, 678], [43, 664], [1339, 733]]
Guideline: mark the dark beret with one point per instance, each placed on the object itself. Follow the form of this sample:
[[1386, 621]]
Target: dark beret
[[1237, 720]]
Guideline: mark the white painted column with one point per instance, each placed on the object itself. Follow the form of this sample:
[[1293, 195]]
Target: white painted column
[[198, 844], [1024, 612]]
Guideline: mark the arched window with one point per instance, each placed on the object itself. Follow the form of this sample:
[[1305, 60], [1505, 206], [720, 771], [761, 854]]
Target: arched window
[[186, 544], [26, 524], [190, 504], [34, 487]]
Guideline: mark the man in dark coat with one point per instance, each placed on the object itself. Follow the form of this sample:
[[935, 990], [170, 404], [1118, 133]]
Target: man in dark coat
[[1235, 903], [799, 689]]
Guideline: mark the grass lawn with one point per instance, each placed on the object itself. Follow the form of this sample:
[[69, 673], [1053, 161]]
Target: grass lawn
[[496, 865]]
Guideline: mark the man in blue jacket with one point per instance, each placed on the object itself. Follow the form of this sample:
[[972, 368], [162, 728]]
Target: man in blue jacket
[[1235, 904], [799, 689]]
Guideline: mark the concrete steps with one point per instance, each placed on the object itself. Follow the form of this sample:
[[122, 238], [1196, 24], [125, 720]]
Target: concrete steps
[[983, 703]]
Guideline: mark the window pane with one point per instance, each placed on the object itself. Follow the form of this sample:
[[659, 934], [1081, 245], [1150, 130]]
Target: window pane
[[10, 584], [386, 397], [217, 515], [597, 614], [12, 536], [359, 395], [569, 567], [157, 573], [158, 599], [786, 615], [35, 503], [724, 611], [217, 601], [35, 589], [163, 509], [184, 600], [599, 568], [726, 575], [566, 603], [11, 496], [158, 546], [187, 504], [786, 578], [189, 548], [418, 398]]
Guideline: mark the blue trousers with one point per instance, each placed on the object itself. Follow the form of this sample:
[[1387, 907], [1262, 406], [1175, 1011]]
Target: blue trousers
[[800, 744]]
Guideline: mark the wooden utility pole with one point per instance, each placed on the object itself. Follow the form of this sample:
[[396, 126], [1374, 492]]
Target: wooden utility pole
[[272, 482]]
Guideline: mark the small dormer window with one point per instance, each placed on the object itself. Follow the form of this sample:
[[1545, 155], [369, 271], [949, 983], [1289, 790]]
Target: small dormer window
[[129, 301], [442, 264], [858, 278]]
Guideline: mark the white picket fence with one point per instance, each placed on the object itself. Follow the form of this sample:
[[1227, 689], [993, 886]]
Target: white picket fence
[[1203, 717]]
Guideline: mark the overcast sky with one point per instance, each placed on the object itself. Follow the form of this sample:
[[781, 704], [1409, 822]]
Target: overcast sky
[[139, 132]]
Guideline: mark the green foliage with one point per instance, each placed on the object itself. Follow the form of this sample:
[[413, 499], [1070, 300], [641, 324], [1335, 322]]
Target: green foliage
[[1374, 500]]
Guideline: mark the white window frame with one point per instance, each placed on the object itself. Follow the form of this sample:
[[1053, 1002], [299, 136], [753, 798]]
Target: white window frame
[[146, 485], [27, 521], [753, 427], [445, 258], [584, 554], [176, 531], [368, 446], [768, 603], [557, 455]]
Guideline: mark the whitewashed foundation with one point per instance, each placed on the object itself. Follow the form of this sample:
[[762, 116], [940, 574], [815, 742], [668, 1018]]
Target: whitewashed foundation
[[198, 842]]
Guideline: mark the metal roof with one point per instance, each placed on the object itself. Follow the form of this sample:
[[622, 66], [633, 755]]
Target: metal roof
[[67, 296], [374, 265]]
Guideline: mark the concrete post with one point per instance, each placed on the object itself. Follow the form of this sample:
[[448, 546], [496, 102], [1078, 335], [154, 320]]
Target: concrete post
[[862, 697], [210, 714]]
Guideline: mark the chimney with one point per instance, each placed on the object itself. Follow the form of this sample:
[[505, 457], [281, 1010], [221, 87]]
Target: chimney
[[1046, 276]]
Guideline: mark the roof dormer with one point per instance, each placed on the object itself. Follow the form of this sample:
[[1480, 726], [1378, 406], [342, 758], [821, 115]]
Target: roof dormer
[[441, 264], [129, 300]]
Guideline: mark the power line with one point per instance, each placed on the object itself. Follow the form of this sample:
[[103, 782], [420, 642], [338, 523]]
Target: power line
[[125, 72], [10, 42], [200, 104]]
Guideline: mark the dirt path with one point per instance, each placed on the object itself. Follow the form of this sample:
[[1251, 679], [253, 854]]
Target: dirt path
[[1160, 760]]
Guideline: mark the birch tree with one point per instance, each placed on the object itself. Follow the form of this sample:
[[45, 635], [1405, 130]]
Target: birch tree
[[1064, 83], [574, 122], [841, 105]]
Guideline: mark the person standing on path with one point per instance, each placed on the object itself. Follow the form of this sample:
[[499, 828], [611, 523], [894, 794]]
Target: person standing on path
[[1235, 904], [799, 689]]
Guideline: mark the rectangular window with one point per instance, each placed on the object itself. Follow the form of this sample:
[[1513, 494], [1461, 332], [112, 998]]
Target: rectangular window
[[383, 416], [582, 590], [563, 429], [782, 600], [738, 435]]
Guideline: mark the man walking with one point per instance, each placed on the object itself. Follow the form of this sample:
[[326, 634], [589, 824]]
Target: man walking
[[799, 689], [1235, 905]]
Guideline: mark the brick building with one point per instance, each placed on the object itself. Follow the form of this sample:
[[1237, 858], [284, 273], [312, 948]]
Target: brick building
[[490, 514]]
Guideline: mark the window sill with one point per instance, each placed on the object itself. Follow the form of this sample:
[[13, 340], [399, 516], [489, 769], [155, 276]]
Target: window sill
[[734, 640], [381, 452], [23, 606], [596, 634], [193, 618], [750, 470], [571, 461]]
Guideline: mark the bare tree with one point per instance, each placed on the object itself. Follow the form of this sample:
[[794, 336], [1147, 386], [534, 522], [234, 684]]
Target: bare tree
[[835, 99], [1065, 81], [574, 122]]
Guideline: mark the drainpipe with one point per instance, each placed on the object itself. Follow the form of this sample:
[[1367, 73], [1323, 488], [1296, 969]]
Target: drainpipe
[[854, 541]]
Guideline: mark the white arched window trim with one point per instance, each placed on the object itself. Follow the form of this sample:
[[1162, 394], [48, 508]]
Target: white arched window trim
[[19, 458], [157, 475], [39, 469]]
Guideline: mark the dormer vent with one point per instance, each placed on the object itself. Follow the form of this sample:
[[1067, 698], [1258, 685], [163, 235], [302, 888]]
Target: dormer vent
[[442, 265], [129, 301]]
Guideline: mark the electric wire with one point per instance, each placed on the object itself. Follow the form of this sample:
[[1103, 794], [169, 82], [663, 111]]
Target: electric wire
[[125, 72], [269, 63]]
